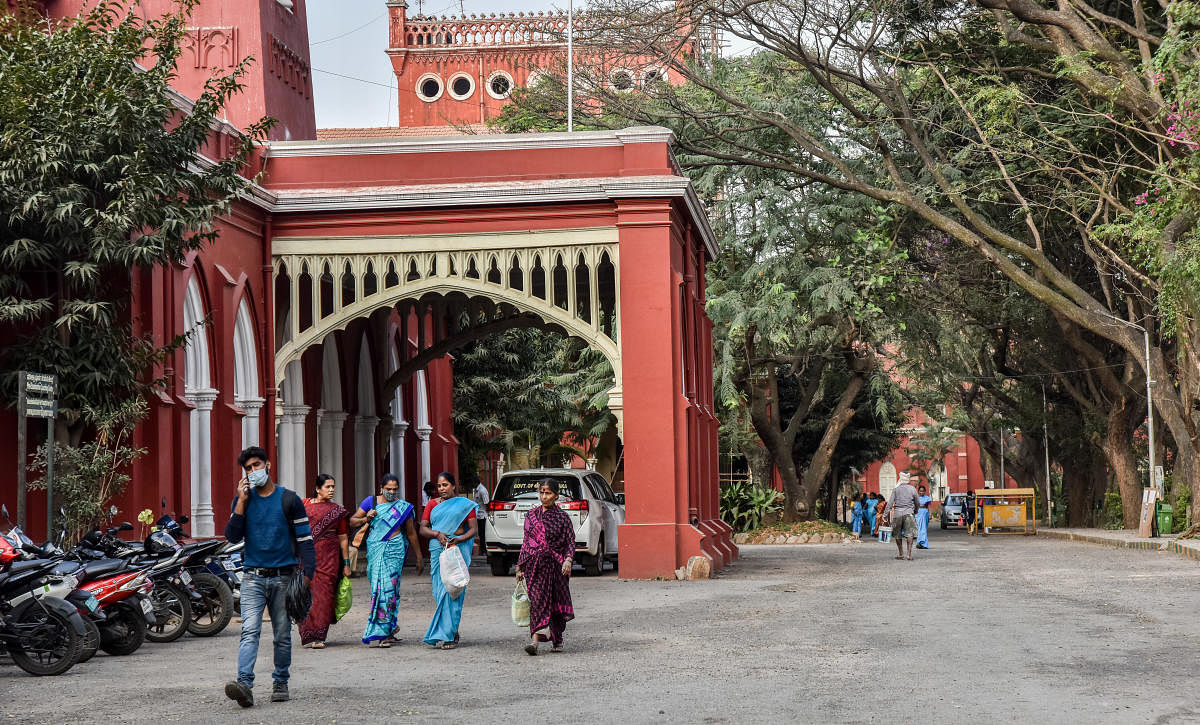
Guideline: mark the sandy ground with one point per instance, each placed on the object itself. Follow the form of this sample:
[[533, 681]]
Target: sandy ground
[[975, 630]]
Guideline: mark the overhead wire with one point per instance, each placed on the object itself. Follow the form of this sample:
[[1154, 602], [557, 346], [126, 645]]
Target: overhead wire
[[355, 30]]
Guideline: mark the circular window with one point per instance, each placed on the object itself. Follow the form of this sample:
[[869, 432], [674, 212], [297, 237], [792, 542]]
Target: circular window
[[650, 76], [462, 86], [621, 80], [534, 79], [429, 87], [499, 85]]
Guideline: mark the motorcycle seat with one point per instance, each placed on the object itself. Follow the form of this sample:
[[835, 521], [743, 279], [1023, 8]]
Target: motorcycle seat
[[95, 569]]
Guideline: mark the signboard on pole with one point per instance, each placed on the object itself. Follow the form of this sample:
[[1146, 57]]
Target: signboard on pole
[[1159, 479], [37, 397], [1146, 520]]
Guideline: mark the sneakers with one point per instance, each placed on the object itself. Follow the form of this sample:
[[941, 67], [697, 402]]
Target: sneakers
[[279, 692], [239, 693]]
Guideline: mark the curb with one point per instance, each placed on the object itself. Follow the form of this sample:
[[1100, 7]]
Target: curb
[[1171, 545]]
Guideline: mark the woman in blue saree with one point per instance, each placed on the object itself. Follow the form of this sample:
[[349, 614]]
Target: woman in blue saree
[[392, 532], [448, 520], [869, 514], [923, 518], [856, 516]]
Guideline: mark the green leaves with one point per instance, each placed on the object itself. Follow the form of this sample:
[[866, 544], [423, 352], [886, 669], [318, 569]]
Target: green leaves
[[98, 178]]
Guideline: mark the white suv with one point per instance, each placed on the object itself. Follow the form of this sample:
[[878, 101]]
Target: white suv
[[595, 512]]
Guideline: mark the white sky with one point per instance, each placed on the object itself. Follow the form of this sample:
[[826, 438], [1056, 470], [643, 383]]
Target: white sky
[[359, 54]]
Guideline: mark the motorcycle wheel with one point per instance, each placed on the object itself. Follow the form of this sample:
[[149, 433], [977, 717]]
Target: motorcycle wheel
[[212, 612], [172, 610], [125, 632], [91, 642], [51, 646]]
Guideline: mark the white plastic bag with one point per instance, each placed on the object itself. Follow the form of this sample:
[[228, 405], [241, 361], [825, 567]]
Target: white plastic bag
[[455, 576]]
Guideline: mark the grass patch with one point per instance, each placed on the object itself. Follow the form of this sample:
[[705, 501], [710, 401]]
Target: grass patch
[[806, 528]]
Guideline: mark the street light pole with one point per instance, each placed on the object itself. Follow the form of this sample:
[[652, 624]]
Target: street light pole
[[1149, 397], [570, 65], [1046, 447]]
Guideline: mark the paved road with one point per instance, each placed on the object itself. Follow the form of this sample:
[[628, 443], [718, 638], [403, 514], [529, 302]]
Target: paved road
[[976, 630]]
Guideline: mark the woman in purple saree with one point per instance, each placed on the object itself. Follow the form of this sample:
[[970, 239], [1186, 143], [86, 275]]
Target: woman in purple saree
[[545, 565]]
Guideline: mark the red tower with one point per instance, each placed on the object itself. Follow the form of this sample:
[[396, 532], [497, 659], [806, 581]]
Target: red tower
[[220, 34]]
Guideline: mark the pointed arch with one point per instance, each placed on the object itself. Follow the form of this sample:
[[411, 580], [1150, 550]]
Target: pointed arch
[[245, 375], [365, 424], [201, 395]]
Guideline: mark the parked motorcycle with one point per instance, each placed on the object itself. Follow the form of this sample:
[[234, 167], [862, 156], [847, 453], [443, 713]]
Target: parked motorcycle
[[43, 634]]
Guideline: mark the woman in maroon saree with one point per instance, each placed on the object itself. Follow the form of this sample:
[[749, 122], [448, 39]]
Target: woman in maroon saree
[[545, 565], [329, 534]]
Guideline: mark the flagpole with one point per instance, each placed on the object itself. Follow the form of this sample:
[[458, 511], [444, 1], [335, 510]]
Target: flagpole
[[570, 65]]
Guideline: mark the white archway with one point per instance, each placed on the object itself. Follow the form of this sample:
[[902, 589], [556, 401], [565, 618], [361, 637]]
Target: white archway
[[887, 479], [365, 425], [198, 390], [331, 417], [245, 376], [293, 412], [938, 485]]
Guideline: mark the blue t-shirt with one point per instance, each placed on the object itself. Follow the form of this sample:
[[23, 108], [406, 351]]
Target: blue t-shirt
[[268, 536]]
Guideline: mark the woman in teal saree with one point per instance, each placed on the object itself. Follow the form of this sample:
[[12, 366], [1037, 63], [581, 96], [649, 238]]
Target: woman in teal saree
[[448, 520], [388, 540]]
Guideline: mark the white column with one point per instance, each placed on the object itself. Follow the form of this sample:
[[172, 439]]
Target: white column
[[364, 455], [329, 451], [397, 450], [291, 463], [251, 407], [423, 433], [201, 460]]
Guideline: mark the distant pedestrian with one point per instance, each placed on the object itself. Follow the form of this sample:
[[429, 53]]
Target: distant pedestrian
[[392, 531], [482, 499], [449, 520], [856, 515], [969, 512], [870, 513], [923, 518], [428, 492], [273, 523], [901, 510], [877, 516], [545, 564], [332, 547]]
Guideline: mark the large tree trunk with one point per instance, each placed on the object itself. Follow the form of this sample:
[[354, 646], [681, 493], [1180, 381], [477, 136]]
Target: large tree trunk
[[800, 506], [1083, 482], [1123, 419]]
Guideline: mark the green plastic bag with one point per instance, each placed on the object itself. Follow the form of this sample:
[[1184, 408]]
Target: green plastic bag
[[520, 605], [345, 598]]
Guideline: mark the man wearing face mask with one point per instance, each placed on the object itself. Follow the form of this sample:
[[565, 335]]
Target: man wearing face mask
[[273, 523]]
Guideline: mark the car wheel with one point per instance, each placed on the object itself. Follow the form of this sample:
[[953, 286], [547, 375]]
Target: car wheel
[[499, 565], [594, 566]]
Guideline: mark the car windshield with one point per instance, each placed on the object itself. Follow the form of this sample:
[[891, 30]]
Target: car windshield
[[514, 488], [955, 500]]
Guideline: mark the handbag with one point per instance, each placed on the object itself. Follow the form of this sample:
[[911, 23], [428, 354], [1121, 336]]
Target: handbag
[[520, 605], [361, 535], [345, 599], [297, 597]]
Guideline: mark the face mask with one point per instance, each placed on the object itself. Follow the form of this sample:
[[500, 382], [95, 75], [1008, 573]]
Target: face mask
[[391, 495], [258, 477]]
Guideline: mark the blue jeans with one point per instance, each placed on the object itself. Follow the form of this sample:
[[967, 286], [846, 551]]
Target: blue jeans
[[260, 593]]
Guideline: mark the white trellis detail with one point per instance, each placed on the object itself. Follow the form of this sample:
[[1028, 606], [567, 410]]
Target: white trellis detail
[[513, 268]]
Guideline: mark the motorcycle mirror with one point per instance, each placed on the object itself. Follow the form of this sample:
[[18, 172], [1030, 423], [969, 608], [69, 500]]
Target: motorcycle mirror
[[125, 526], [4, 510], [183, 519]]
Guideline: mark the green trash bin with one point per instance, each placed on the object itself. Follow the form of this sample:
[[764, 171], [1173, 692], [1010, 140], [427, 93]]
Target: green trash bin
[[1164, 512]]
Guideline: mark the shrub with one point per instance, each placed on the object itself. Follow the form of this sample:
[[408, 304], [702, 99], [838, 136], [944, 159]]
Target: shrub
[[743, 504], [1113, 515]]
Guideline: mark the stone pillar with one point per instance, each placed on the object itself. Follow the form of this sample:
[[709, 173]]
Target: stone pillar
[[423, 433], [329, 453], [201, 460], [364, 456], [291, 464], [250, 423], [399, 428]]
